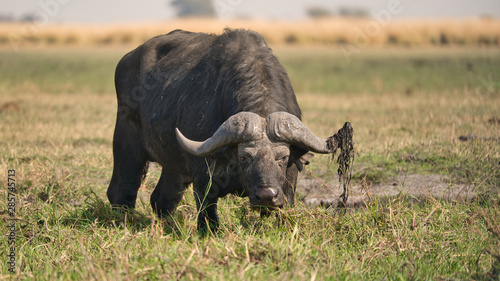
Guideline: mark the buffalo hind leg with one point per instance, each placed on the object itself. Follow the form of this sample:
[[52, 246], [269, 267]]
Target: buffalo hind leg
[[168, 193], [130, 165]]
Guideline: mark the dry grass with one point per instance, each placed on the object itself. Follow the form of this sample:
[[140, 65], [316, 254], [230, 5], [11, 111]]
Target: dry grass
[[357, 32], [59, 141]]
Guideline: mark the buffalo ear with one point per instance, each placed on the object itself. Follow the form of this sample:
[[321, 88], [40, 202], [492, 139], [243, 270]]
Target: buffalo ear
[[305, 158], [300, 156]]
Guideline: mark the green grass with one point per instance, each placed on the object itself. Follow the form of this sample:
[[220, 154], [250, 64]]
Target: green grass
[[392, 70], [59, 71], [408, 107]]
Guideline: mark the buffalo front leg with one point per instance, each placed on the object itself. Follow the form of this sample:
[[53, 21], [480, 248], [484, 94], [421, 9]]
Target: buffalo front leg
[[130, 165], [168, 193], [206, 203]]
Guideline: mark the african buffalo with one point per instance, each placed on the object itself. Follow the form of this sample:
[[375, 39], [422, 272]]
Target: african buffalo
[[217, 111]]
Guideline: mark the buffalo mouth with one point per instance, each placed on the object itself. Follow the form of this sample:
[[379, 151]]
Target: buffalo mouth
[[267, 197], [265, 211]]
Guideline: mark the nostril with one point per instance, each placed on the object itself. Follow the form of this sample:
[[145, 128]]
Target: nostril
[[273, 192], [267, 194], [275, 198]]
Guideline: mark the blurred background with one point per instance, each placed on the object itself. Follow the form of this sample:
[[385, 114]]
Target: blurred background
[[94, 11], [361, 22]]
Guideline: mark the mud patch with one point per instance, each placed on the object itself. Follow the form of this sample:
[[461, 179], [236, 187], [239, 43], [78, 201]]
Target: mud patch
[[343, 140], [417, 188]]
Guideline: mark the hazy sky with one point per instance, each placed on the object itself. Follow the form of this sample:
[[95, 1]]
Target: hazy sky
[[99, 11]]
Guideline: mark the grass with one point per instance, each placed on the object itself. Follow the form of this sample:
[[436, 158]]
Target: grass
[[407, 106], [392, 70]]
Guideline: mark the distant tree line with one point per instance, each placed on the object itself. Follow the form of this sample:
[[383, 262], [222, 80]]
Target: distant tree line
[[194, 8], [10, 18], [205, 8], [351, 12], [29, 17], [6, 18]]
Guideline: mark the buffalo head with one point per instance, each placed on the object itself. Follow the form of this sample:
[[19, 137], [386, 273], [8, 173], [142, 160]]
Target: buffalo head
[[263, 151]]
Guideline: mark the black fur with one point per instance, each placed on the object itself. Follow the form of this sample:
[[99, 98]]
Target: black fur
[[193, 81]]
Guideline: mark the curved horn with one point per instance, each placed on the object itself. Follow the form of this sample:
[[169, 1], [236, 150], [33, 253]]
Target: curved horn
[[283, 126], [241, 127]]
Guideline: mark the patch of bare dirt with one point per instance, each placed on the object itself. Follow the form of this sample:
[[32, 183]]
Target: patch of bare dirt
[[416, 187]]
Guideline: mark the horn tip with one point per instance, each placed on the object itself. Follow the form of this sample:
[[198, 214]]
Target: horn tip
[[178, 134], [183, 141]]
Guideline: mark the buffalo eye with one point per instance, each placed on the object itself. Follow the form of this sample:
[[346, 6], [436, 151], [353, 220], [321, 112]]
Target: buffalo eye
[[244, 159], [283, 159]]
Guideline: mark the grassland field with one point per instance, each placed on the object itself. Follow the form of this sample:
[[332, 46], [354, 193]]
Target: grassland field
[[407, 106]]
